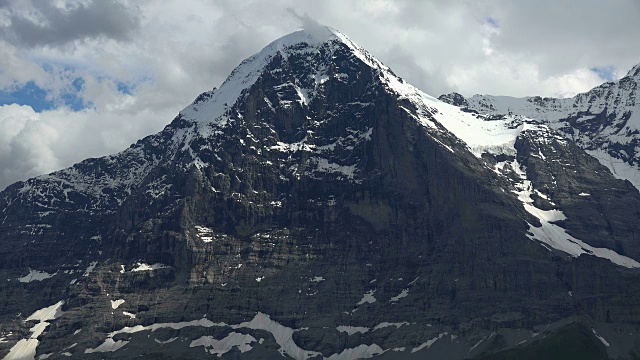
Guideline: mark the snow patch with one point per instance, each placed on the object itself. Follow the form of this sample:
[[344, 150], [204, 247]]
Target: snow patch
[[483, 339], [605, 342], [282, 334], [25, 349], [221, 347], [402, 294], [35, 275], [116, 303], [350, 330], [619, 169], [166, 341], [130, 315], [428, 343], [90, 268], [107, 346], [359, 352], [556, 236], [323, 165], [367, 298], [204, 233], [49, 313], [146, 267], [387, 324]]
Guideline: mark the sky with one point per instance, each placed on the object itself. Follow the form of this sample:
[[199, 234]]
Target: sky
[[87, 78]]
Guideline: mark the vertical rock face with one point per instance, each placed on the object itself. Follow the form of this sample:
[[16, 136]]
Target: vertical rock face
[[317, 205]]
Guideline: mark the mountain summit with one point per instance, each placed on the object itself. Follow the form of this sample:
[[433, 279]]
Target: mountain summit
[[318, 206]]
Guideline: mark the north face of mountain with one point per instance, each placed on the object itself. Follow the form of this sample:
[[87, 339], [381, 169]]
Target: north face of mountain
[[318, 206]]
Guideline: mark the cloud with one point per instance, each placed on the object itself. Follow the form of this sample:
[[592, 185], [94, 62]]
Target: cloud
[[47, 23], [132, 65], [34, 143], [308, 24], [607, 73], [560, 36]]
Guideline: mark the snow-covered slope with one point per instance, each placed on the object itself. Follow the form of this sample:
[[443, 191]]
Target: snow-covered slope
[[605, 121], [213, 107]]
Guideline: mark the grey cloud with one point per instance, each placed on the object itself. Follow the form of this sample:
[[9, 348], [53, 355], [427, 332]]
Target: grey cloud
[[563, 35], [55, 26], [405, 66], [308, 23]]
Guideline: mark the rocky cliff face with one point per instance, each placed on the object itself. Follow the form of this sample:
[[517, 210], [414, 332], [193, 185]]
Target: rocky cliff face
[[318, 206]]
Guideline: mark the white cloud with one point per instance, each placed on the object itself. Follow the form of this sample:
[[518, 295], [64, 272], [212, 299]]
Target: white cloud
[[171, 51], [33, 143]]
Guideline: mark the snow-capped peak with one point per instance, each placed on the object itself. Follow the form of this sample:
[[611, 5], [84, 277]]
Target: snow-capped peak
[[211, 107], [315, 36]]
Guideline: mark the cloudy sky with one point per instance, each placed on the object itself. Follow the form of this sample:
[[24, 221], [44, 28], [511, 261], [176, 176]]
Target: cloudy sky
[[83, 78]]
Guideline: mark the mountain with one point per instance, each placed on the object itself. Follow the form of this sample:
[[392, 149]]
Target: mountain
[[604, 121], [318, 206]]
